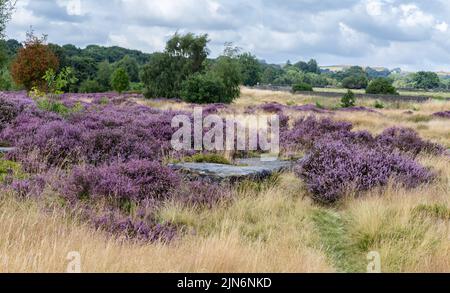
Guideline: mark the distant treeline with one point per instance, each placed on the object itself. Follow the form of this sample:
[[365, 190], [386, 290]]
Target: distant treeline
[[94, 65]]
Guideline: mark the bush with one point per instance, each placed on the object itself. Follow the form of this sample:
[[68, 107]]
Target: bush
[[355, 82], [381, 86], [408, 141], [378, 105], [90, 86], [334, 168], [136, 181], [119, 80], [348, 100], [32, 62], [203, 89], [302, 87]]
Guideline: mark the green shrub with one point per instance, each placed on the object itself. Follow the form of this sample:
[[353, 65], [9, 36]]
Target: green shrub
[[302, 87], [90, 86], [319, 105], [204, 88], [119, 80], [378, 105], [354, 82], [348, 100], [51, 105], [381, 86]]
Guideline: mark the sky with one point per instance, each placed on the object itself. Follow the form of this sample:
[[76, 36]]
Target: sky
[[410, 34]]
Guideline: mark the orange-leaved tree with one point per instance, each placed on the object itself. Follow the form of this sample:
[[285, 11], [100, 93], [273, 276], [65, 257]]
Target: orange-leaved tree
[[32, 62]]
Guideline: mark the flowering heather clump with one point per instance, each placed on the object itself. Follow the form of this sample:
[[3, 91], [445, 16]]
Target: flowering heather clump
[[333, 167], [310, 108], [307, 130], [200, 193], [136, 180], [358, 109], [272, 107], [444, 114], [408, 141], [138, 229]]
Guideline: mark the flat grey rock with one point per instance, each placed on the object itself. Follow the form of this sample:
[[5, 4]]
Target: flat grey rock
[[255, 169], [6, 150]]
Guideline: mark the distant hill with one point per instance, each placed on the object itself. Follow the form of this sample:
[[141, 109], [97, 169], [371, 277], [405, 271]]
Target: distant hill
[[337, 68]]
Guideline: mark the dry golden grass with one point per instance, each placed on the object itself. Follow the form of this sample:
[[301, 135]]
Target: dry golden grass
[[273, 227]]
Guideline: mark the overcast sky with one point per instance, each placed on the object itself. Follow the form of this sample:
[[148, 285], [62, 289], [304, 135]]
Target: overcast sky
[[412, 34]]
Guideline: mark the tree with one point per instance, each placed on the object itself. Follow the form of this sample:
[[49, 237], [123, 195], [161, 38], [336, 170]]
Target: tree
[[425, 80], [104, 73], [250, 69], [270, 74], [165, 73], [119, 80], [6, 8], [190, 47], [348, 100], [57, 83], [355, 82], [32, 62], [227, 68], [131, 66], [313, 67], [381, 86], [203, 89]]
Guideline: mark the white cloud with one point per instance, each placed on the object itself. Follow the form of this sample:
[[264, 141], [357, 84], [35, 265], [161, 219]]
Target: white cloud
[[372, 32]]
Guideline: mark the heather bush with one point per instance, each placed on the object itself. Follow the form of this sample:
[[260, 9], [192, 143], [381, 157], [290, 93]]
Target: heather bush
[[332, 168], [272, 107], [136, 180], [202, 194], [444, 114], [408, 141], [147, 230], [307, 130]]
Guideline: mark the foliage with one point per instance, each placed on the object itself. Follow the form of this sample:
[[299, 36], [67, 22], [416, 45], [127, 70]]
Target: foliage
[[250, 69], [32, 62], [6, 8], [204, 89], [355, 82], [131, 67], [425, 80], [381, 86], [56, 83], [348, 100], [90, 86], [302, 87], [378, 105], [227, 69], [119, 80]]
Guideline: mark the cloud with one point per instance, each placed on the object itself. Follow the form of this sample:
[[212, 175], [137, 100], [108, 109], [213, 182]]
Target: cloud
[[412, 34]]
